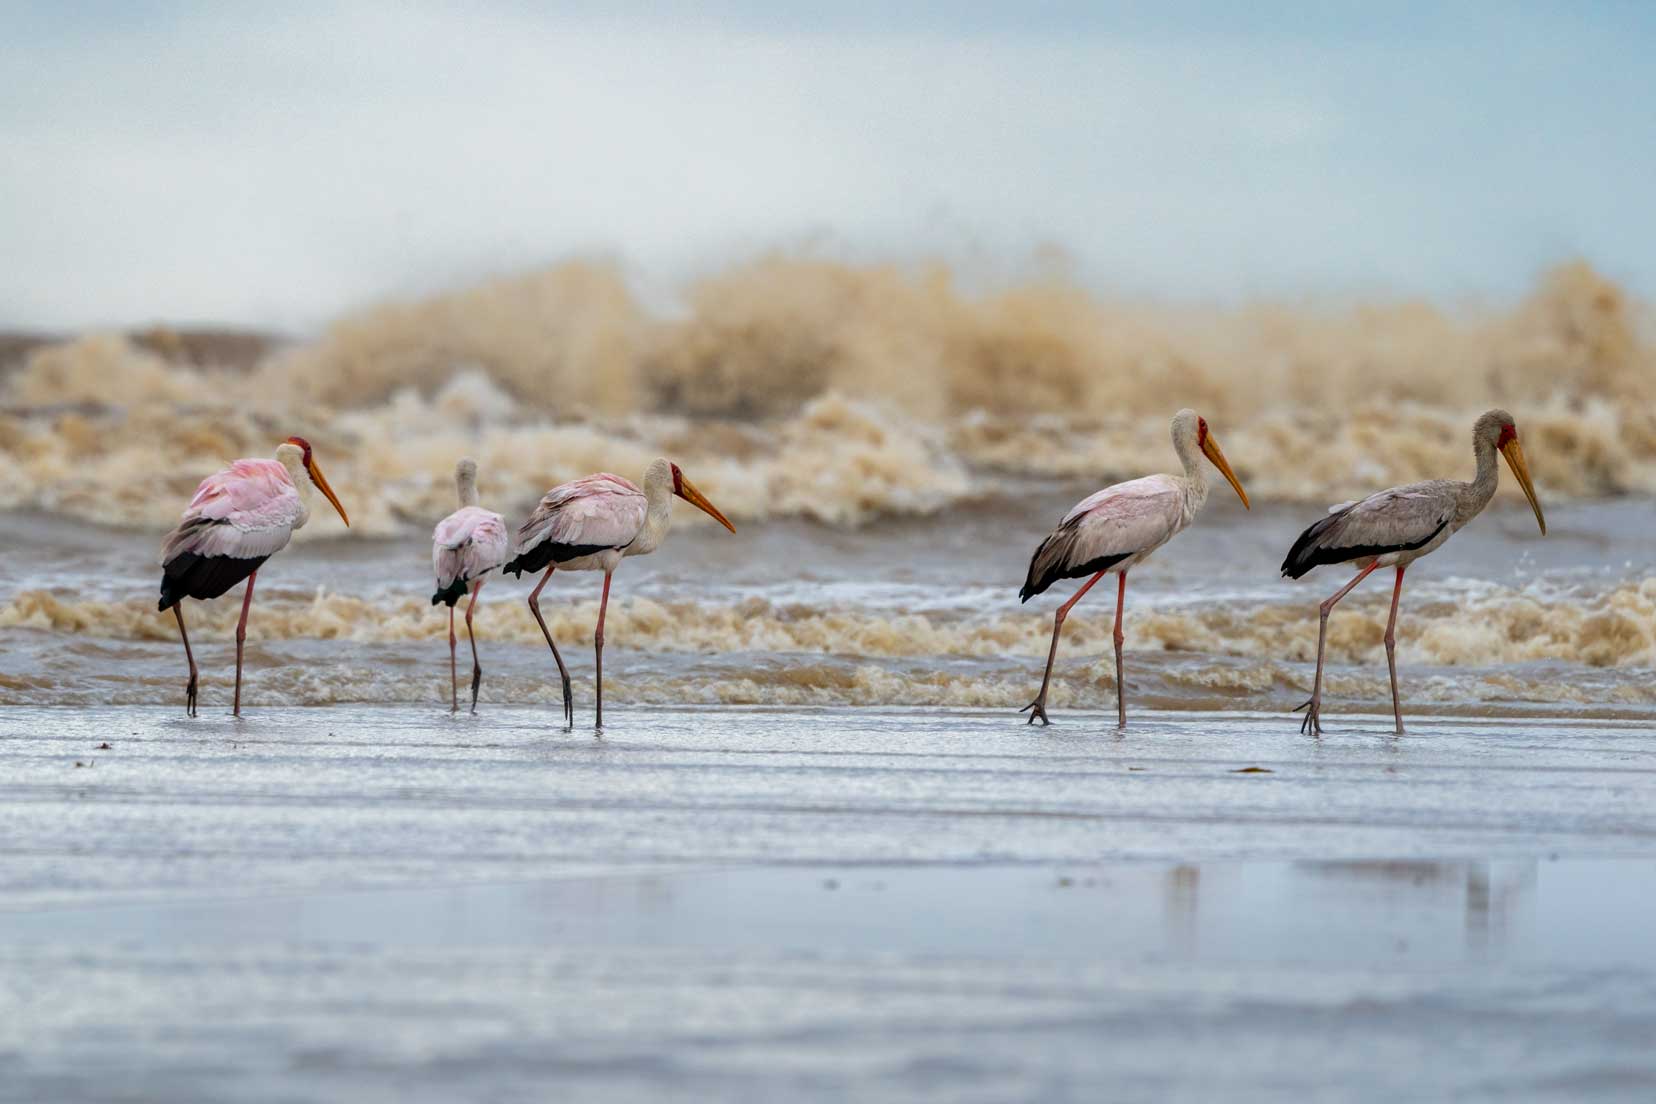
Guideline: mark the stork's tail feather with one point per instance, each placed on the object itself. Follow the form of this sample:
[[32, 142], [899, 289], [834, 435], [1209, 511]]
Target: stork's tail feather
[[536, 558], [450, 594], [1307, 550], [1053, 561], [188, 575], [530, 560], [1045, 566]]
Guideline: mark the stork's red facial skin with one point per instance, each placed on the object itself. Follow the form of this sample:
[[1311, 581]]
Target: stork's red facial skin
[[678, 480], [321, 481], [1201, 431], [1514, 453]]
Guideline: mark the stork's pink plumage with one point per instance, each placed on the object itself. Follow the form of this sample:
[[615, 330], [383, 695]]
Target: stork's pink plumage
[[245, 512], [238, 519], [465, 547], [1114, 529], [591, 524], [582, 519]]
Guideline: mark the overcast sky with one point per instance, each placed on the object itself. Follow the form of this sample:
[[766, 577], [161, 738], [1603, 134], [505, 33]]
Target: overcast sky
[[279, 164]]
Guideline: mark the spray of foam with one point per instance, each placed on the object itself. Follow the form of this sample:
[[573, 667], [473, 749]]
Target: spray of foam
[[793, 385], [1494, 625]]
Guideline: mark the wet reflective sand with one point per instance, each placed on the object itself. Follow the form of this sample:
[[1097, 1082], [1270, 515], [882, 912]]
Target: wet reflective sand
[[378, 904]]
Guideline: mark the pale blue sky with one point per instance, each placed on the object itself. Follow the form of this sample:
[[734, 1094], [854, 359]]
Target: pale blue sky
[[280, 164]]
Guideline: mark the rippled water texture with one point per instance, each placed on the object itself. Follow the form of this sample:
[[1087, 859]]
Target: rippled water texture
[[915, 612]]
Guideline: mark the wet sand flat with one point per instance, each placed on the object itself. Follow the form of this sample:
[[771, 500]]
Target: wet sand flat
[[378, 903]]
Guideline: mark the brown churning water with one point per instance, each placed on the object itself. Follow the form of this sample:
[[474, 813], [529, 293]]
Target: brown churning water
[[794, 386], [939, 431]]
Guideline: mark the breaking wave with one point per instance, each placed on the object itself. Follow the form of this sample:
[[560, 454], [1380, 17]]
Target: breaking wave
[[1489, 624], [799, 386]]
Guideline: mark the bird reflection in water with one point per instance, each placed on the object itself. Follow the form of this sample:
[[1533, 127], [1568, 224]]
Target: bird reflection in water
[[1181, 895], [1492, 893]]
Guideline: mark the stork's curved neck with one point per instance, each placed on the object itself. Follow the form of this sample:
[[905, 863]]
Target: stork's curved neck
[[1476, 494], [658, 511], [293, 460], [466, 484], [1195, 472]]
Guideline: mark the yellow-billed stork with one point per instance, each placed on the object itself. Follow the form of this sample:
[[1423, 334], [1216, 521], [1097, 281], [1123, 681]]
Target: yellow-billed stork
[[465, 547], [238, 519], [1113, 530], [1396, 527], [591, 524]]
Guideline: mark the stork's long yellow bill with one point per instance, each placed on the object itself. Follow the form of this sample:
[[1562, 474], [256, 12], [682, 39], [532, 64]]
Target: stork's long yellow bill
[[1514, 453], [1211, 449], [321, 481], [687, 491]]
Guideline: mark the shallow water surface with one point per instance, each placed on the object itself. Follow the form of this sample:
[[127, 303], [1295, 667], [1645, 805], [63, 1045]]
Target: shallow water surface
[[916, 612], [365, 903]]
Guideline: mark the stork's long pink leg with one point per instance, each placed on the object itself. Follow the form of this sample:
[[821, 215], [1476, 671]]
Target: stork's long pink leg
[[1037, 708], [189, 687], [241, 639], [534, 608], [454, 677], [1121, 687], [1313, 708], [477, 668], [1391, 649], [598, 647]]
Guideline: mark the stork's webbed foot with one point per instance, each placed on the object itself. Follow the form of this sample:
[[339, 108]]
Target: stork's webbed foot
[[1036, 708], [190, 695]]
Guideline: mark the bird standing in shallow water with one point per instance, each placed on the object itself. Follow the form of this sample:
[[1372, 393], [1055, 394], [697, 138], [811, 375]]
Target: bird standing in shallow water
[[1115, 529], [1398, 526], [465, 547], [591, 524], [238, 519]]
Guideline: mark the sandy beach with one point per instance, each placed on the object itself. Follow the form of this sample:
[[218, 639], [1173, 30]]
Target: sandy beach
[[823, 904]]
